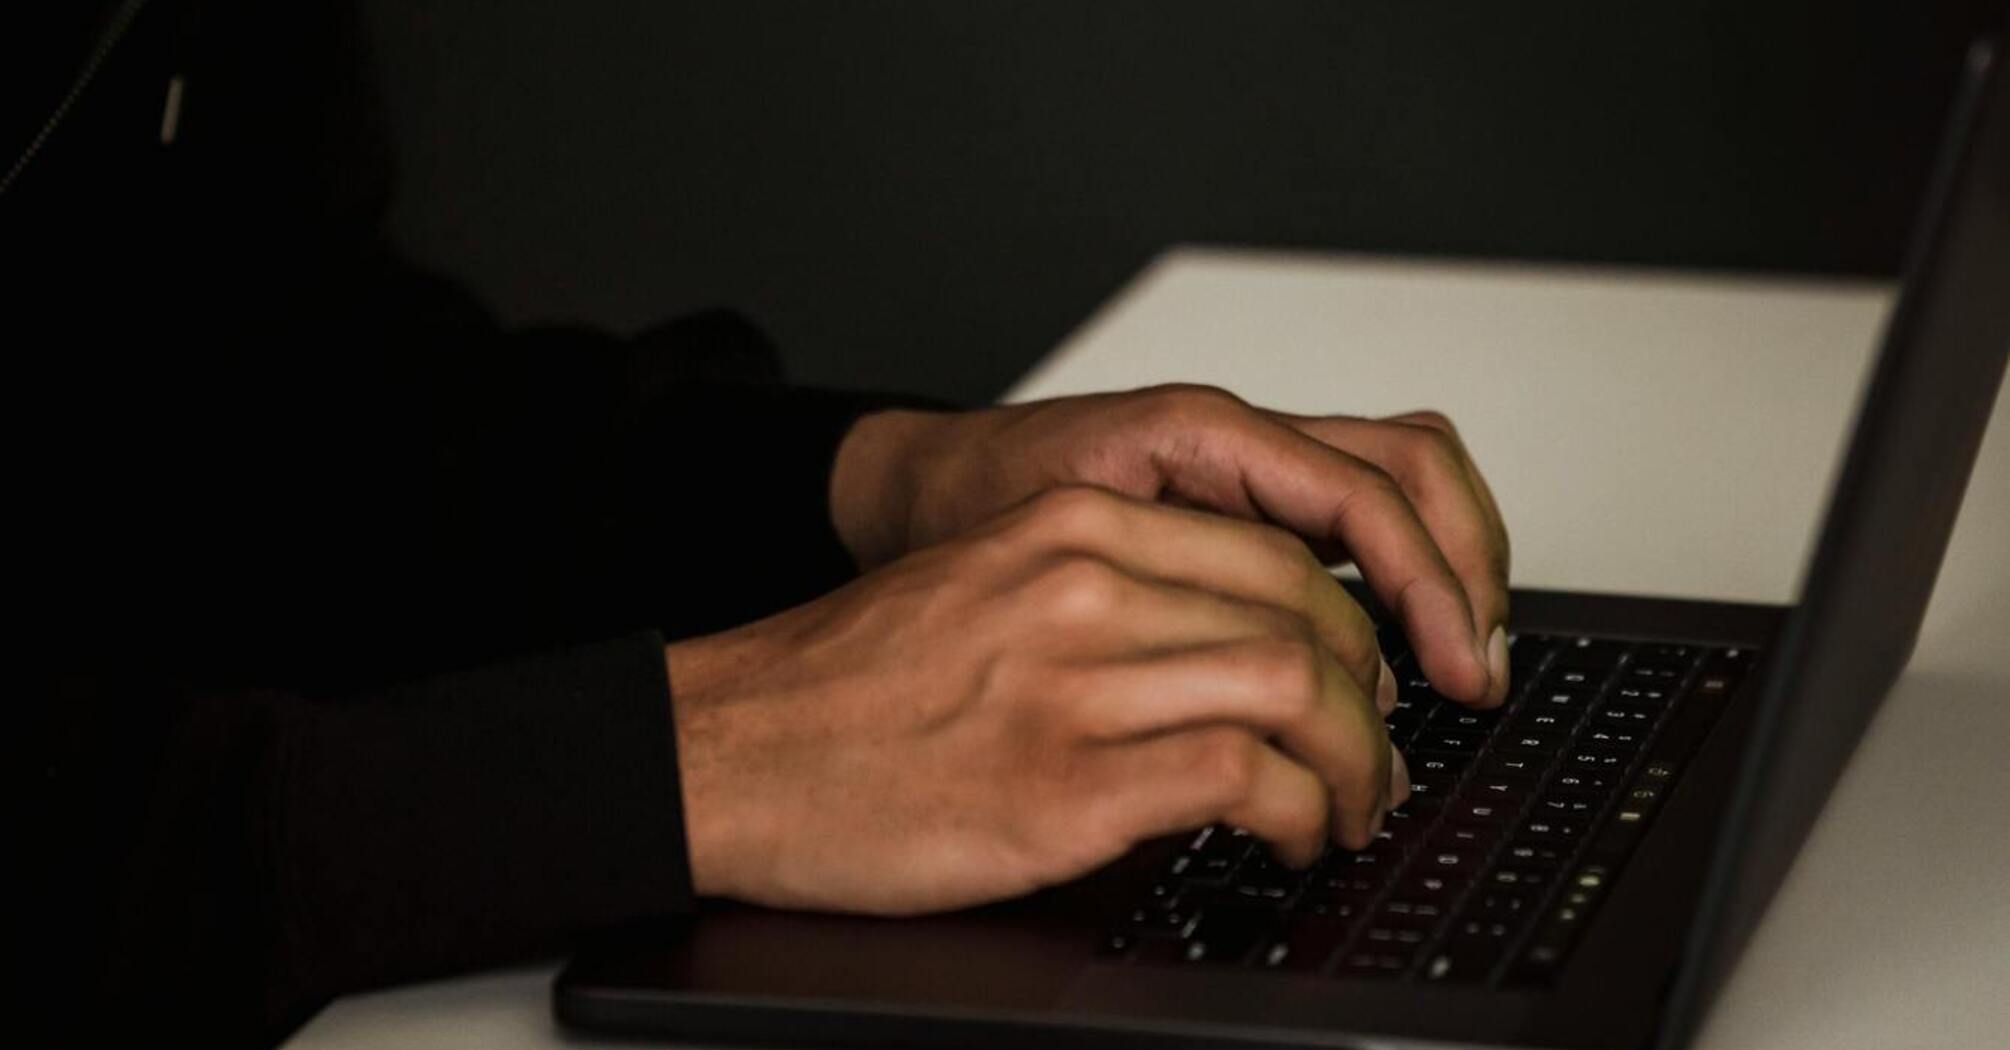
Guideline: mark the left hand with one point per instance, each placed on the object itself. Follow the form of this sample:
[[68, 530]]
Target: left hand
[[1400, 497]]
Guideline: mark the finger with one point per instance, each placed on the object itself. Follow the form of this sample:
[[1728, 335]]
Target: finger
[[1290, 693], [1179, 781], [1437, 475], [1241, 461], [1438, 421], [1422, 451], [1241, 559]]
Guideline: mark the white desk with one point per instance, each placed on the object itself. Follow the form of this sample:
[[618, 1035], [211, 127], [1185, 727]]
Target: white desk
[[1645, 432]]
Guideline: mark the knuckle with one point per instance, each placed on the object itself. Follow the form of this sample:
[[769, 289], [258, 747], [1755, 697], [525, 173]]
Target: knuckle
[[1194, 403], [1374, 489], [1307, 814], [1228, 761], [1430, 452], [1369, 770], [1363, 663], [1290, 669], [1433, 419], [1285, 547], [1080, 587], [1287, 674], [1072, 511]]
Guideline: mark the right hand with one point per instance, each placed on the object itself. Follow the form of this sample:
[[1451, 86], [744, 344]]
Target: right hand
[[1018, 706]]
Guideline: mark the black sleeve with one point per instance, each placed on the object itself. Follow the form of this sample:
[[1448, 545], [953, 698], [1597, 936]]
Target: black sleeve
[[347, 606], [255, 851]]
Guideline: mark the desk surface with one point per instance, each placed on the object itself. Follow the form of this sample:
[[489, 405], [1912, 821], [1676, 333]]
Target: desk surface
[[1645, 432]]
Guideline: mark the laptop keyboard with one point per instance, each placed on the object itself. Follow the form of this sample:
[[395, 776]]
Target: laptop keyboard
[[1518, 821]]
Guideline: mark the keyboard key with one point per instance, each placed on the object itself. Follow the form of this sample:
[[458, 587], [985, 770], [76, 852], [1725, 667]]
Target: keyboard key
[[1386, 930], [1551, 830], [1430, 785], [1162, 922], [1411, 684], [1558, 677], [1589, 653], [1513, 876], [1422, 908], [1431, 763], [1456, 741], [1305, 947], [1267, 891], [1734, 658], [1661, 652], [1559, 700], [1464, 960], [1614, 737], [1204, 871], [1535, 853], [1536, 744], [1482, 811], [1400, 834], [1529, 650], [1482, 928], [1496, 788], [1653, 696], [1538, 720], [1379, 960], [1377, 856], [1220, 937], [1601, 759], [1329, 905], [1416, 813], [1217, 840], [1454, 717], [1479, 837], [1503, 905], [1630, 716], [1554, 934], [1643, 796], [1435, 886], [1456, 863], [1353, 881], [1117, 945], [1513, 765], [1575, 805], [1654, 674], [1713, 685], [1585, 780]]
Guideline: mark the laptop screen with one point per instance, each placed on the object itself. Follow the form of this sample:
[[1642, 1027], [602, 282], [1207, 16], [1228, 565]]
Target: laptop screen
[[1890, 514]]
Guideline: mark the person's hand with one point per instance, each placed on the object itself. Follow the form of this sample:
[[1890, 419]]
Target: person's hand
[[1019, 705], [1400, 497]]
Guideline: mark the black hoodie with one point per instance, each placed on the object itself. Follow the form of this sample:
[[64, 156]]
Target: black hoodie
[[345, 607]]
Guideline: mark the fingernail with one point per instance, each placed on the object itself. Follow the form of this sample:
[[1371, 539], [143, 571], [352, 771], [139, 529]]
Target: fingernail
[[1497, 658], [1385, 690]]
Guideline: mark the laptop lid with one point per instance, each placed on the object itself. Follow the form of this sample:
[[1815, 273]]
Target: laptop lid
[[1891, 511]]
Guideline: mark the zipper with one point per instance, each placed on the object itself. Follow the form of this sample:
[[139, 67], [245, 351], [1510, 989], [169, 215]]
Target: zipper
[[115, 31]]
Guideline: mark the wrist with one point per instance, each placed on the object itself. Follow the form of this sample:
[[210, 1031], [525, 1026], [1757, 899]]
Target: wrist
[[726, 824], [877, 477]]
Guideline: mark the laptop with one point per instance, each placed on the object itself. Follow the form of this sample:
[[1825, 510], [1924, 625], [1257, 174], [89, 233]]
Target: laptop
[[1580, 868]]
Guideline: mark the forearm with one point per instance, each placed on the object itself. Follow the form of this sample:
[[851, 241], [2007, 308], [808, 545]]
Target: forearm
[[287, 848]]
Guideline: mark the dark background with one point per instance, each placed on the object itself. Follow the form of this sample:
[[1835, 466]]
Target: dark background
[[928, 194]]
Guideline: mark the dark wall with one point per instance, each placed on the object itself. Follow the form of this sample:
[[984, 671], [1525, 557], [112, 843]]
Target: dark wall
[[926, 195]]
